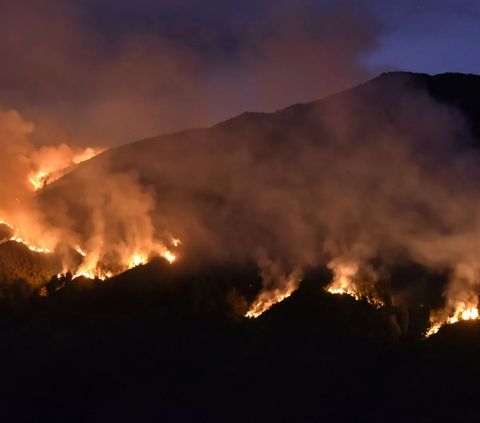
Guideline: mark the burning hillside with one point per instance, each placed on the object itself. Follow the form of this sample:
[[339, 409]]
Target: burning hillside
[[292, 190], [51, 163], [94, 255]]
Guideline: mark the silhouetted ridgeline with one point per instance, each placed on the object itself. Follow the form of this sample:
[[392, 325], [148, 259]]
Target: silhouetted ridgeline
[[171, 348]]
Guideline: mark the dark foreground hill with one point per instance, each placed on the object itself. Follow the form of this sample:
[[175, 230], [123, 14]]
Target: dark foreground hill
[[177, 351]]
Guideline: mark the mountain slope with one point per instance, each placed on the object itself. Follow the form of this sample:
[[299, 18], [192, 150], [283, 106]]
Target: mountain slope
[[208, 182]]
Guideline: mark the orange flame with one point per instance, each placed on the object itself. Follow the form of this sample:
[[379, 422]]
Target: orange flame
[[261, 305], [267, 298], [49, 172], [30, 245], [39, 180], [169, 256], [94, 275], [343, 291], [461, 313], [136, 260], [2, 222]]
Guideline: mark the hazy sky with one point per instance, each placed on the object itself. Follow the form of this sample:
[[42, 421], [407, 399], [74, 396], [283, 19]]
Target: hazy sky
[[113, 71], [431, 36], [425, 36]]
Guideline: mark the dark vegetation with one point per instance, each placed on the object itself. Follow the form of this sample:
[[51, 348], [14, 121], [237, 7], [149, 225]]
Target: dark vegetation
[[164, 343], [17, 262], [170, 343]]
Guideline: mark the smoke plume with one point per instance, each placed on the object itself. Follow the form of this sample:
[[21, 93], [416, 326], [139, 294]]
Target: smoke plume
[[370, 174], [98, 73]]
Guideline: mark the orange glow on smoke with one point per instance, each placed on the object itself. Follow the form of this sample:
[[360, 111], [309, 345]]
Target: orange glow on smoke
[[169, 256], [39, 180], [87, 154], [268, 298], [461, 313], [50, 172], [343, 291], [30, 245], [136, 260], [260, 306]]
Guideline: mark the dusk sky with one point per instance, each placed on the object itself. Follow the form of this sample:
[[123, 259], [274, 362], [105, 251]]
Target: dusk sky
[[112, 71], [423, 36]]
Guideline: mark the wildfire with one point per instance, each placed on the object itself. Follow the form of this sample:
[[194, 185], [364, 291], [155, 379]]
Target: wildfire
[[461, 313], [49, 163], [261, 305], [94, 275], [30, 246], [344, 274], [169, 256], [54, 165], [346, 281], [2, 222], [39, 180], [342, 291], [267, 298], [138, 260]]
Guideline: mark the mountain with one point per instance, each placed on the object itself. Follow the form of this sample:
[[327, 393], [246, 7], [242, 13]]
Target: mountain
[[207, 183], [383, 96], [248, 198]]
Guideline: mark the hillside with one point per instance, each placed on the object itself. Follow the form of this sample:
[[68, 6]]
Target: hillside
[[209, 180], [381, 178], [161, 348]]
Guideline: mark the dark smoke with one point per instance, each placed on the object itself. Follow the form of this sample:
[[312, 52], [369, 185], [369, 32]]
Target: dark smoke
[[104, 73]]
